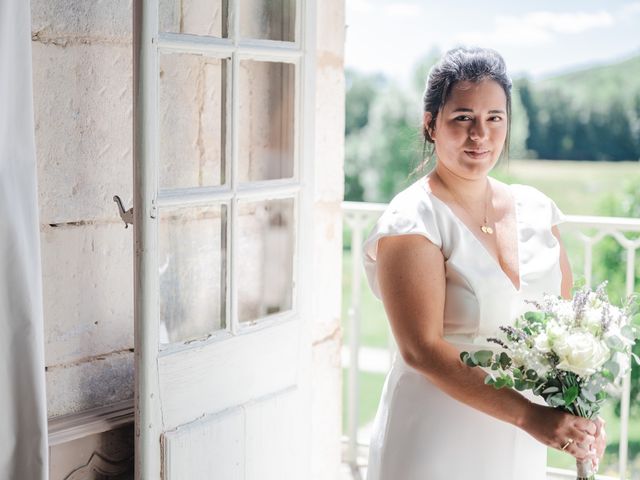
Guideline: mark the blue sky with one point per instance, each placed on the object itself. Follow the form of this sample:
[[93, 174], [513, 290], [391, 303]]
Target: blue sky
[[540, 38]]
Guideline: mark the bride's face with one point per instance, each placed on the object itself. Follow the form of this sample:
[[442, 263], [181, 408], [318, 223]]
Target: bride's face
[[471, 128]]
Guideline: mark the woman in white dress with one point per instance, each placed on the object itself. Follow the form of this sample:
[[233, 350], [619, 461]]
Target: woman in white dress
[[454, 256]]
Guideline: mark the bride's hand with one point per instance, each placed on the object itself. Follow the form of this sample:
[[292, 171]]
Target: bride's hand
[[600, 442], [556, 429]]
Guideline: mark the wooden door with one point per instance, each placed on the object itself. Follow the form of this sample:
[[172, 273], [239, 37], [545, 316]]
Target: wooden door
[[223, 111]]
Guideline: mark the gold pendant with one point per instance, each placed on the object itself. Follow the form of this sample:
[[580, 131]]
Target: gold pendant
[[487, 229]]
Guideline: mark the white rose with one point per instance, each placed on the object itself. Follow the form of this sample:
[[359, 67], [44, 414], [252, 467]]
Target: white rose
[[542, 343], [555, 330], [581, 353]]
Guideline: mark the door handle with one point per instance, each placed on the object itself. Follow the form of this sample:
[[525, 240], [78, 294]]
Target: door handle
[[127, 217]]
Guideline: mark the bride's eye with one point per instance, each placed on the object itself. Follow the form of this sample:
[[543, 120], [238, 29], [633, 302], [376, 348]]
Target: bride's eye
[[461, 116]]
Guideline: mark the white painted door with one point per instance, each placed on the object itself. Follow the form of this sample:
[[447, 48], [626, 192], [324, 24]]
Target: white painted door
[[223, 190]]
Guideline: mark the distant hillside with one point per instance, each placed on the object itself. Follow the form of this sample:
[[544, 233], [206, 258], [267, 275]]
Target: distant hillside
[[598, 85]]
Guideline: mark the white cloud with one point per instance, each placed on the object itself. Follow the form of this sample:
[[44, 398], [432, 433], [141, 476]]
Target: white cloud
[[629, 9], [574, 22], [537, 28]]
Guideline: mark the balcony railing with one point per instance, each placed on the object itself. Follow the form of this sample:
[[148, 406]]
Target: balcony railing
[[358, 217]]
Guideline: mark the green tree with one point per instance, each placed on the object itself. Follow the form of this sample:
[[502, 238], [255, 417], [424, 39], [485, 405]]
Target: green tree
[[519, 127], [361, 92], [389, 145]]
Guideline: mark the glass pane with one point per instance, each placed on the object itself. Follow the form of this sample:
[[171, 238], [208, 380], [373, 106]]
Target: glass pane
[[192, 263], [267, 95], [195, 17], [265, 270], [192, 123], [268, 19]]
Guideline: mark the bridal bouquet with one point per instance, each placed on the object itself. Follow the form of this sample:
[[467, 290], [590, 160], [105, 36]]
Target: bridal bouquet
[[572, 353]]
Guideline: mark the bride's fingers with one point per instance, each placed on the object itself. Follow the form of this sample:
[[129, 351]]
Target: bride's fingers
[[578, 451], [578, 444], [586, 425], [580, 437]]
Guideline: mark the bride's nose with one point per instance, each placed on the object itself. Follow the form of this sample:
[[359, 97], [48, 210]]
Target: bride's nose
[[478, 130]]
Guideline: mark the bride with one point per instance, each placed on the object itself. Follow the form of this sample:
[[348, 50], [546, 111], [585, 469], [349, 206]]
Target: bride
[[452, 257]]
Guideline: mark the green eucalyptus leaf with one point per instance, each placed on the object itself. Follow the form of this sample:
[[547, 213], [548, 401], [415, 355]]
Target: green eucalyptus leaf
[[613, 367], [504, 360], [615, 343], [587, 395], [629, 332], [520, 385], [570, 394], [556, 400], [483, 357], [607, 374], [534, 317], [504, 381]]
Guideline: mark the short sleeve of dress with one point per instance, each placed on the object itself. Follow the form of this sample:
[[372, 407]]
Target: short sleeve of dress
[[541, 205], [556, 214], [401, 217]]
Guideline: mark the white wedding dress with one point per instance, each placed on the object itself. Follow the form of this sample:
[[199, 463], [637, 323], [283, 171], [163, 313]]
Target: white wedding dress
[[419, 432]]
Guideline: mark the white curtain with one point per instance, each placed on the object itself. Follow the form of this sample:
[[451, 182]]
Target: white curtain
[[23, 414]]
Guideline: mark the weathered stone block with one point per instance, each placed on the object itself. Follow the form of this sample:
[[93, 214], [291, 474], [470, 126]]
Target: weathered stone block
[[90, 384], [83, 127], [87, 273], [97, 19]]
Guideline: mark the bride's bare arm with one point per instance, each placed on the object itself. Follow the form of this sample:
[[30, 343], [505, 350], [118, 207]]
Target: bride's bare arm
[[565, 268], [411, 276]]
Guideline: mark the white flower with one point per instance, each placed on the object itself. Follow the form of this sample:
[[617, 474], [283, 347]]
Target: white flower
[[542, 343], [519, 352], [539, 364], [581, 353], [555, 330], [592, 319], [617, 317], [564, 311]]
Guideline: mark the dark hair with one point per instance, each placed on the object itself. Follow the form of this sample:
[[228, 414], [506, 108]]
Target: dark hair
[[462, 63]]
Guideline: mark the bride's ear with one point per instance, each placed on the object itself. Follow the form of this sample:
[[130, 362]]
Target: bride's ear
[[426, 120]]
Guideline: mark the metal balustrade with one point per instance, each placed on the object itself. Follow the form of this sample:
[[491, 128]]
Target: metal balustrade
[[359, 217]]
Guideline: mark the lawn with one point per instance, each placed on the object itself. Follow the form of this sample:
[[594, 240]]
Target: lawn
[[591, 182]]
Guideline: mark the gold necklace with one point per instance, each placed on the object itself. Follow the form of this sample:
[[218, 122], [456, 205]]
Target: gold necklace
[[485, 226]]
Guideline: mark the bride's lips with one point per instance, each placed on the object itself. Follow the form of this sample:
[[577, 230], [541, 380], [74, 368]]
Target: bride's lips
[[477, 153]]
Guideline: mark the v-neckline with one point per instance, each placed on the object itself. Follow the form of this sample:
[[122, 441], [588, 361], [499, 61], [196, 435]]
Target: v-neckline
[[482, 245]]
